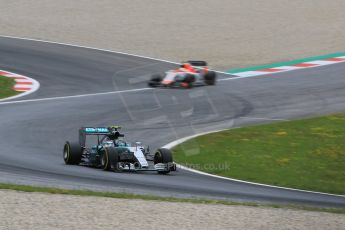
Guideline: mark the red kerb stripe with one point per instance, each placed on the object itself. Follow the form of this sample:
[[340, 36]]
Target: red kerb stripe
[[24, 83], [335, 59], [18, 77], [305, 65], [3, 73], [21, 88], [270, 70]]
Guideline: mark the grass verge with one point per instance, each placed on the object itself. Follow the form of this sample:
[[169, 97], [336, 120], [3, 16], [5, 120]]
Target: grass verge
[[304, 154], [6, 85], [26, 188]]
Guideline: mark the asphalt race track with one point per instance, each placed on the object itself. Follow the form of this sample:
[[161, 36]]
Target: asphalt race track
[[33, 133]]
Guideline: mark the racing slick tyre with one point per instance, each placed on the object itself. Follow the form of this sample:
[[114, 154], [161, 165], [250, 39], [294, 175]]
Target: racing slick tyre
[[110, 159], [210, 78], [155, 80], [72, 153], [163, 156]]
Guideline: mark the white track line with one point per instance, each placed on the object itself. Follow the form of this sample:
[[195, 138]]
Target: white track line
[[74, 96], [180, 141], [87, 47], [265, 118]]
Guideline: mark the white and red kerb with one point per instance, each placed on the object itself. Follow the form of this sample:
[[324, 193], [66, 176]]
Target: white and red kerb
[[303, 65], [23, 83]]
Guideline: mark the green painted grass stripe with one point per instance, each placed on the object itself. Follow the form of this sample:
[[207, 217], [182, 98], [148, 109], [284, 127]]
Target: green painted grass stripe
[[293, 62]]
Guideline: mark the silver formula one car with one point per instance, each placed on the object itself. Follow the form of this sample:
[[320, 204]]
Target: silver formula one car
[[112, 152], [189, 74]]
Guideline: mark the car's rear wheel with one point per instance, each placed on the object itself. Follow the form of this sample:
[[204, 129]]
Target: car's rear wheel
[[72, 153], [210, 78], [163, 156]]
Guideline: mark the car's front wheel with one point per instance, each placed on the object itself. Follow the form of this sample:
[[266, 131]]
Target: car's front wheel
[[155, 80], [163, 156], [109, 159]]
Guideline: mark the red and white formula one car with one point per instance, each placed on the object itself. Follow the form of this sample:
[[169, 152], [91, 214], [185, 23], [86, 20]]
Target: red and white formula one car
[[189, 74]]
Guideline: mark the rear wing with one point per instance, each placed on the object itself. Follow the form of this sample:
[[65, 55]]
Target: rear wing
[[84, 131], [95, 131], [98, 131], [197, 63], [202, 65]]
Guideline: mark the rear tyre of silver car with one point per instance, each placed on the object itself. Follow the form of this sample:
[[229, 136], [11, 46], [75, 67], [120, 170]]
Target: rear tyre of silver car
[[72, 153], [164, 156]]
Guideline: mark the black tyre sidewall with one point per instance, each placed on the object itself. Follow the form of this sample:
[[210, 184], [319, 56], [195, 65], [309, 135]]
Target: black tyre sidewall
[[210, 78], [156, 78], [105, 162], [112, 159], [74, 153], [163, 156]]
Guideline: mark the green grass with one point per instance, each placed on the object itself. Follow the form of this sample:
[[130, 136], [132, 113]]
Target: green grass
[[305, 154], [26, 188], [6, 85]]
